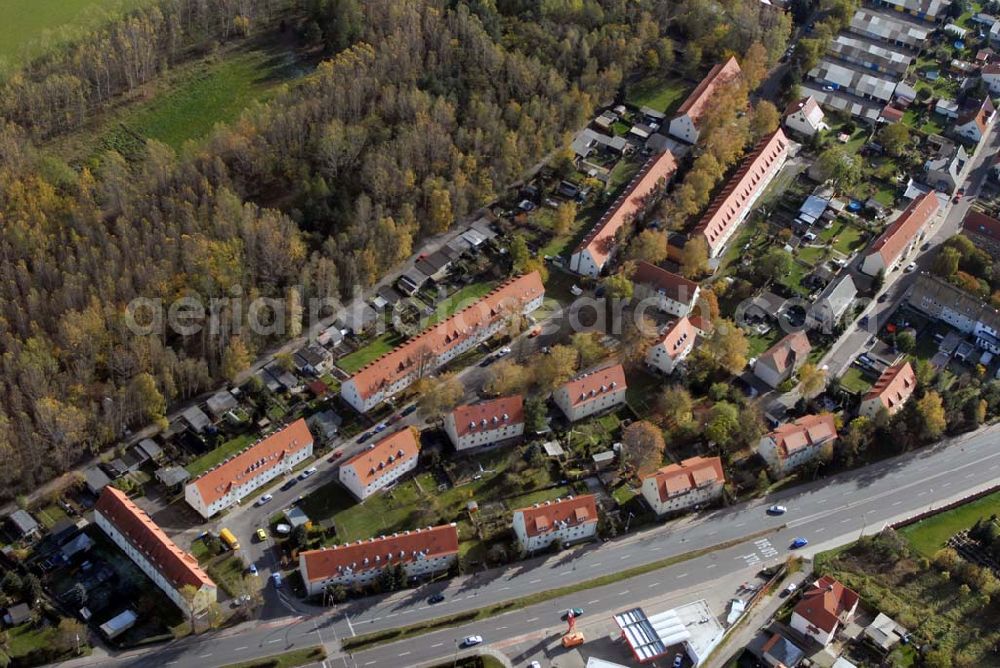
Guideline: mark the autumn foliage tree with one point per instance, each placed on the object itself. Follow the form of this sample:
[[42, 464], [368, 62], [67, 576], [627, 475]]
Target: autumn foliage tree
[[642, 447]]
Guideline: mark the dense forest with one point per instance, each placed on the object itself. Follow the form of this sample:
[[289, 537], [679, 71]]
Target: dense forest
[[420, 112]]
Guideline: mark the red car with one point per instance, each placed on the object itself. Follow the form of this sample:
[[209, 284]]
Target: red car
[[335, 456]]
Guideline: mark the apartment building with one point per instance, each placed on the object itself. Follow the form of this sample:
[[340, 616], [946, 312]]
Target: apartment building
[[901, 237], [672, 293], [686, 124], [730, 207], [780, 362], [486, 422], [569, 520], [677, 487], [168, 566], [439, 344], [382, 464], [421, 553], [676, 344], [599, 246], [892, 390], [246, 471], [592, 393], [796, 443]]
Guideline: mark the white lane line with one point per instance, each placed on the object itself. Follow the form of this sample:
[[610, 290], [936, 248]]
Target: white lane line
[[819, 530], [625, 556], [535, 581], [170, 663], [437, 644], [274, 641], [655, 549], [368, 663], [501, 628], [712, 533], [406, 612], [742, 524], [896, 503], [845, 520], [682, 575], [239, 649], [947, 484], [566, 573], [596, 600], [533, 619], [995, 467], [404, 654], [971, 475], [595, 565], [711, 566], [623, 593], [503, 588], [396, 614], [204, 656], [655, 584]]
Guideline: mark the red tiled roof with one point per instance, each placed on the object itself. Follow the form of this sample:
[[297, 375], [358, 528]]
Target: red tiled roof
[[894, 386], [177, 566], [991, 68], [678, 337], [253, 461], [601, 240], [399, 548], [415, 353], [806, 105], [808, 430], [898, 234], [674, 286], [387, 454], [981, 114], [688, 475], [727, 207], [697, 102], [976, 222], [592, 385], [541, 518], [892, 114], [701, 324], [823, 604], [489, 415], [787, 352]]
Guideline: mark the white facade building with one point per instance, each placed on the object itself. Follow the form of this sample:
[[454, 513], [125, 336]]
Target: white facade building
[[383, 464], [569, 520], [795, 443], [693, 482], [676, 344], [592, 393], [485, 423]]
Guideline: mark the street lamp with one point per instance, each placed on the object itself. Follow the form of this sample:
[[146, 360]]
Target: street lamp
[[454, 662]]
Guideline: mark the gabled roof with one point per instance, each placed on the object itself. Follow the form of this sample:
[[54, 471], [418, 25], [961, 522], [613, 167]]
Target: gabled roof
[[807, 431], [593, 385], [824, 604], [253, 461], [377, 553], [810, 110], [690, 474], [488, 415], [676, 287], [678, 337], [786, 353], [391, 452], [600, 241], [697, 102], [552, 515], [980, 114], [899, 233], [976, 222], [727, 207], [177, 566], [894, 386], [423, 348]]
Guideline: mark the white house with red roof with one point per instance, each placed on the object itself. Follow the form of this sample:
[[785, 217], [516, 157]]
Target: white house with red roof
[[692, 482], [676, 344], [569, 520], [420, 553], [730, 207], [381, 464], [804, 117], [780, 362], [975, 120], [795, 443], [673, 294], [252, 467], [686, 125], [439, 344], [598, 247], [486, 422], [167, 565], [892, 390], [991, 77], [983, 230], [823, 608], [592, 393], [901, 237]]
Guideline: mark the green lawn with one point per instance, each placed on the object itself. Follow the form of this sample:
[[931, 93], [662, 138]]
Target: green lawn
[[32, 27], [540, 496], [931, 534], [657, 92], [622, 173], [846, 237], [224, 451], [210, 92], [463, 297], [793, 279], [26, 638], [50, 514], [371, 352], [227, 572], [812, 255], [758, 344], [855, 381]]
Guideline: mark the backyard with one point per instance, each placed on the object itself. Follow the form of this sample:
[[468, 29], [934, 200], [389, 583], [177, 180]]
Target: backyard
[[220, 454], [930, 535], [658, 93], [371, 351], [855, 381]]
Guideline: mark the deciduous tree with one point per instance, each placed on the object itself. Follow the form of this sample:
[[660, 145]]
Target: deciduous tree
[[642, 446]]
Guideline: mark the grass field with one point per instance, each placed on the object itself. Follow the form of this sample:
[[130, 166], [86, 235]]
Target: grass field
[[227, 449], [811, 254], [855, 381], [931, 534], [462, 297], [209, 92], [30, 27], [657, 93], [371, 352]]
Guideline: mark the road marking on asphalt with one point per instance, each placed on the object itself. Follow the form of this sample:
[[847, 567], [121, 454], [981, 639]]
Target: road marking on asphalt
[[406, 612], [971, 475], [535, 581], [845, 520], [437, 644], [947, 484], [204, 656], [995, 467], [712, 533], [595, 565], [742, 524], [655, 549], [396, 614], [501, 628], [404, 654], [566, 573], [896, 503], [533, 619], [655, 584], [503, 589], [711, 566], [170, 663], [239, 649], [682, 575], [275, 640], [596, 600], [368, 663], [625, 556], [820, 530], [623, 593]]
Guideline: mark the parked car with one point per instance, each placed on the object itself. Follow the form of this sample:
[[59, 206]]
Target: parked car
[[790, 589], [253, 570], [261, 535], [408, 410], [276, 579], [799, 542], [364, 437], [291, 482], [678, 660], [777, 510], [335, 456], [308, 472], [436, 598], [267, 498], [283, 529], [575, 612], [395, 418], [910, 267], [381, 427], [472, 641]]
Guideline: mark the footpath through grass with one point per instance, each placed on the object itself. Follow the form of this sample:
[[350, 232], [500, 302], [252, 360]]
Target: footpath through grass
[[367, 640], [296, 657], [930, 535]]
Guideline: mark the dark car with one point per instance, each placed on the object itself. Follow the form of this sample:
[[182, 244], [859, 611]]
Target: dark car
[[289, 484], [364, 437], [408, 410], [574, 612], [436, 598], [395, 418]]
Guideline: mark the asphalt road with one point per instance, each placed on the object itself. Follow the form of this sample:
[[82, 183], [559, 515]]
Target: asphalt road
[[827, 512]]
